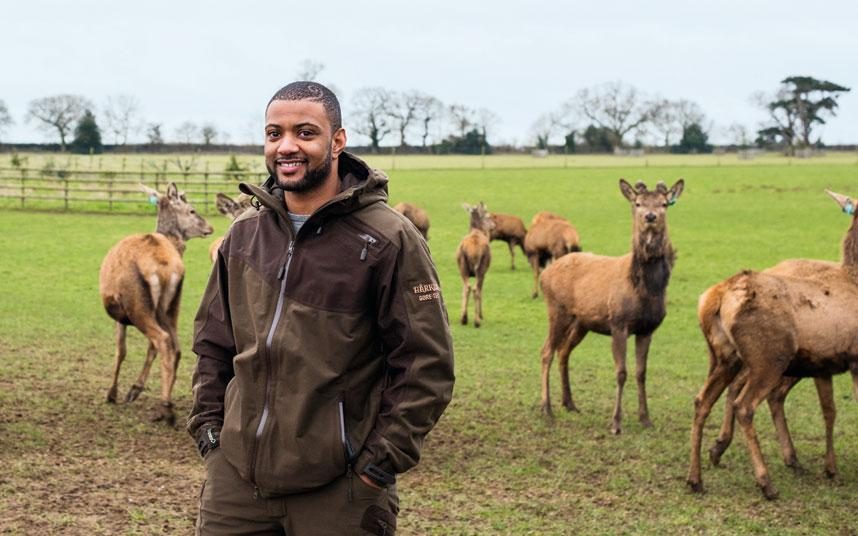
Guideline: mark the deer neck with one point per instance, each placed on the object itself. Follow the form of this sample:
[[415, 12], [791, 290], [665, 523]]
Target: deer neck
[[850, 250], [167, 226], [652, 261]]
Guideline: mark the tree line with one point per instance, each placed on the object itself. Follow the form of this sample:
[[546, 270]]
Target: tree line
[[601, 118]]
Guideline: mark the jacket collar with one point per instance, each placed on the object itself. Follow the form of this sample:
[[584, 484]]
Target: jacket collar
[[360, 186]]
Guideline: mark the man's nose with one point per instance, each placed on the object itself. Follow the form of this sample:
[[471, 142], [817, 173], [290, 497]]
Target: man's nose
[[287, 145]]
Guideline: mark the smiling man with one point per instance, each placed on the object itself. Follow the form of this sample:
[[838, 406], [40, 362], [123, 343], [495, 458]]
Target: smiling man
[[321, 363]]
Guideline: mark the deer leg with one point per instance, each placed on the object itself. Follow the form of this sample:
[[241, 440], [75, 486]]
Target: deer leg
[[534, 264], [576, 335], [853, 369], [161, 341], [825, 391], [137, 388], [776, 407], [720, 376], [618, 347], [547, 355], [511, 246], [121, 352], [725, 435], [642, 343], [478, 299], [758, 387], [466, 291]]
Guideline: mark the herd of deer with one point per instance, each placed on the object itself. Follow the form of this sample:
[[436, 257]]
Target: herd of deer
[[764, 330]]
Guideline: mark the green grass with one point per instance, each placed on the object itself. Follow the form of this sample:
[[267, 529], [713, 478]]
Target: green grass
[[493, 465]]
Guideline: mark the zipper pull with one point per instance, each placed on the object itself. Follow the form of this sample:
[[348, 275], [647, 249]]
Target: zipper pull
[[367, 241], [364, 251], [281, 272], [255, 492]]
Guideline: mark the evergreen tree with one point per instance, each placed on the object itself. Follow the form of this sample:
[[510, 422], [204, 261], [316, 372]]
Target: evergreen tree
[[694, 140], [87, 135]]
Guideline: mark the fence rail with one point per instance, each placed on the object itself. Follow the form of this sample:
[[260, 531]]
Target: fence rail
[[108, 190]]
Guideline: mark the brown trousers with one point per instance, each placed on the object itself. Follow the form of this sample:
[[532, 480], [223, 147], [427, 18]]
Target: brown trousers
[[346, 506]]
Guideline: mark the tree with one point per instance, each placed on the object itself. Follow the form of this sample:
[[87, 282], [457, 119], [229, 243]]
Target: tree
[[782, 121], [58, 112], [209, 133], [670, 118], [472, 142], [739, 135], [544, 128], [153, 134], [186, 132], [5, 119], [403, 110], [87, 135], [371, 117], [120, 116], [810, 99], [599, 139], [485, 121], [461, 117], [694, 140], [428, 110], [613, 106]]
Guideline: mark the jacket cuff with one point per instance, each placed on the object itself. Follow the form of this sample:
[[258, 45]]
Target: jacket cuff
[[208, 439], [381, 472]]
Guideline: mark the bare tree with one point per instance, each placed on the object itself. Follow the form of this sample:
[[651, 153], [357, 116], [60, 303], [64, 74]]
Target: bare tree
[[615, 106], [486, 121], [186, 132], [58, 113], [664, 120], [209, 132], [403, 111], [5, 119], [153, 134], [545, 127], [120, 115], [428, 110], [739, 135], [371, 114], [309, 70], [461, 117]]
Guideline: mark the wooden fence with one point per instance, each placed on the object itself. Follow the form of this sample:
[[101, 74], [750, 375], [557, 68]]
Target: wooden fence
[[111, 191]]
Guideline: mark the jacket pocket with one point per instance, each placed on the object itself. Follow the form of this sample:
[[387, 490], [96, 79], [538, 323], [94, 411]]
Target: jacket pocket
[[348, 450]]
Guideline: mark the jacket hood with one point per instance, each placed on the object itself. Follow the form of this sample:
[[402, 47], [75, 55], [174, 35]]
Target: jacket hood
[[360, 186]]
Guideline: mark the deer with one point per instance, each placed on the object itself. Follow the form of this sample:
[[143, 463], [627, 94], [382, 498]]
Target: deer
[[415, 215], [473, 257], [231, 208], [140, 283], [615, 296], [765, 329], [511, 230], [550, 237]]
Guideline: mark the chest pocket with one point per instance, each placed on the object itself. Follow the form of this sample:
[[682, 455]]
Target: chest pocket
[[334, 270]]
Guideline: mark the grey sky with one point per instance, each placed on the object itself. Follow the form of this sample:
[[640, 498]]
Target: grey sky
[[219, 61]]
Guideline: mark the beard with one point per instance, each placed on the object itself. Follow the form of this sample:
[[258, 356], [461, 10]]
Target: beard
[[311, 179]]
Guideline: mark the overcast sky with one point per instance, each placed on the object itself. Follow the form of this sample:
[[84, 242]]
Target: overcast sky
[[219, 62]]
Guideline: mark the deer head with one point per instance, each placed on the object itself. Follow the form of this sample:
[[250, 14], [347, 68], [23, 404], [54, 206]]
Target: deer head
[[177, 217], [480, 217], [649, 208]]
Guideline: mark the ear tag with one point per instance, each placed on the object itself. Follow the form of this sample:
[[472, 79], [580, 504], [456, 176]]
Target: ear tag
[[671, 201], [849, 208], [153, 199]]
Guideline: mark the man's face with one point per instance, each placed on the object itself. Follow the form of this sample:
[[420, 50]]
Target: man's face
[[299, 144]]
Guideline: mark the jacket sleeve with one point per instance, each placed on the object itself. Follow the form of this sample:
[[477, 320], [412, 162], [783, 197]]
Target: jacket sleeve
[[215, 348], [419, 361]]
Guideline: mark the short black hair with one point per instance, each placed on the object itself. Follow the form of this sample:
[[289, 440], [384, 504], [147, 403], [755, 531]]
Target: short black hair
[[316, 92]]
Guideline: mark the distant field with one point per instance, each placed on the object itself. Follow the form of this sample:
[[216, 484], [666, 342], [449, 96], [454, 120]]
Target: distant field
[[75, 465]]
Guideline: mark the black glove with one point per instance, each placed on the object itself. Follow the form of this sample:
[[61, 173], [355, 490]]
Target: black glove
[[208, 439]]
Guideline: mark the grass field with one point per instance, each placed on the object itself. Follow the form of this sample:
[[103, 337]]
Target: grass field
[[72, 464]]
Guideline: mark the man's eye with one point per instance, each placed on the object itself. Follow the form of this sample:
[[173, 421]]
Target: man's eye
[[272, 134], [305, 133]]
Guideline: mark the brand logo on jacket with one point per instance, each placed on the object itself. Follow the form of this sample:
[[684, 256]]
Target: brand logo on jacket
[[427, 291]]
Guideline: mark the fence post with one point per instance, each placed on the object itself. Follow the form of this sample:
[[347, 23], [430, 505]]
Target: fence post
[[110, 194], [206, 188], [65, 194], [23, 186]]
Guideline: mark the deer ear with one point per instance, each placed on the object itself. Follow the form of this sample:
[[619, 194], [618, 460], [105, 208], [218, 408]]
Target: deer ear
[[847, 204], [153, 194], [467, 207], [627, 190], [675, 191], [225, 204], [172, 191]]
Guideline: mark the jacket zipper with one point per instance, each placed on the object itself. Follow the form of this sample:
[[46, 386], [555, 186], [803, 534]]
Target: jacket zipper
[[278, 311], [347, 450], [368, 241]]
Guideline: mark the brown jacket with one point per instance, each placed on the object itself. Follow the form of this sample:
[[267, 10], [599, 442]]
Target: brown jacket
[[326, 350]]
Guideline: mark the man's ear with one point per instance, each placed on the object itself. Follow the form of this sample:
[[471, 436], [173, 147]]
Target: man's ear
[[338, 143]]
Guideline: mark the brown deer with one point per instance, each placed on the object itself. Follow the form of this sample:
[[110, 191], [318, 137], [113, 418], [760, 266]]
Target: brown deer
[[141, 284], [231, 208], [802, 268], [415, 215], [550, 237], [763, 328], [511, 230], [473, 257], [616, 296]]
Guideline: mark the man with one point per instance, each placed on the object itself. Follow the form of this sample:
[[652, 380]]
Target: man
[[324, 351]]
